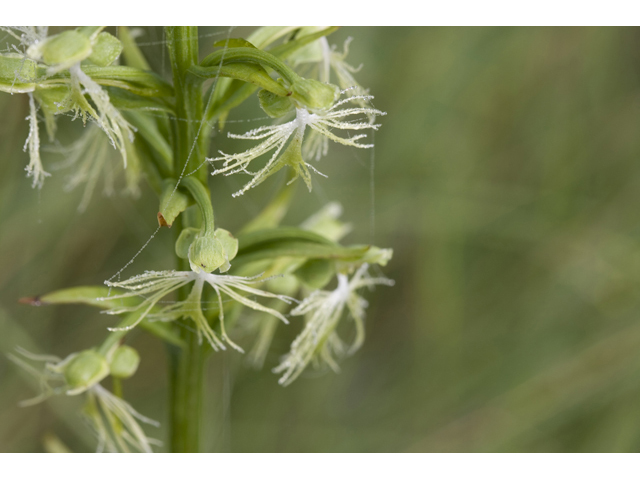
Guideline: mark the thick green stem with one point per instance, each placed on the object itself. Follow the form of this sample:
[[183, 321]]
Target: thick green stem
[[186, 364]]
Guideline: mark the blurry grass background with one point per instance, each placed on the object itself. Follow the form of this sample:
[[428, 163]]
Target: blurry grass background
[[507, 181]]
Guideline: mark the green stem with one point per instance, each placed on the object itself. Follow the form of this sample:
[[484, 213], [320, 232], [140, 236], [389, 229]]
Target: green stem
[[201, 195], [186, 364]]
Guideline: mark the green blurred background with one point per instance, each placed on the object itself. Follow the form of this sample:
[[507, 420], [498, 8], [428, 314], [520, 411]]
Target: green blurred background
[[506, 178]]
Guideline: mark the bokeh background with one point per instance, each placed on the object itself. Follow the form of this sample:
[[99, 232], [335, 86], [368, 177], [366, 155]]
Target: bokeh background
[[506, 177]]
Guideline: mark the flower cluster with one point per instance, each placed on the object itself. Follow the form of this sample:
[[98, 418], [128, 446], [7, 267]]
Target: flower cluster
[[49, 69], [112, 419]]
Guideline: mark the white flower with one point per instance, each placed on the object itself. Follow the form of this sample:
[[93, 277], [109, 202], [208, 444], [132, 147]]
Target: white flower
[[113, 420], [115, 423], [276, 137], [107, 117], [90, 159], [318, 341], [153, 286]]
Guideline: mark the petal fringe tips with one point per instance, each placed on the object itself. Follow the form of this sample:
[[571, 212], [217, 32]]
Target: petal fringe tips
[[154, 286], [275, 137], [319, 342]]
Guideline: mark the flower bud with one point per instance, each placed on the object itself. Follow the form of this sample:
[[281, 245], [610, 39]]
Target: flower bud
[[85, 370], [274, 105], [314, 94], [124, 362]]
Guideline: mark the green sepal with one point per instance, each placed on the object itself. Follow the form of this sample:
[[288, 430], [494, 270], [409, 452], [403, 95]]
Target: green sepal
[[91, 32], [84, 370], [172, 203], [274, 105], [229, 245], [381, 256], [62, 50], [124, 362], [17, 73], [315, 273], [184, 241], [105, 49], [314, 94], [206, 254]]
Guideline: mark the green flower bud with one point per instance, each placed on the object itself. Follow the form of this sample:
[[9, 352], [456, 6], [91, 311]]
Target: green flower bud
[[124, 362], [206, 253], [314, 94], [185, 239], [105, 49], [274, 105], [85, 370], [62, 50]]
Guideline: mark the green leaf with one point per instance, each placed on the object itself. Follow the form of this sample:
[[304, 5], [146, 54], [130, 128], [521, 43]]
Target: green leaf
[[125, 100], [147, 127], [132, 54], [17, 73], [288, 48], [80, 295], [254, 239], [234, 43], [292, 242], [128, 78], [315, 273], [271, 216]]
